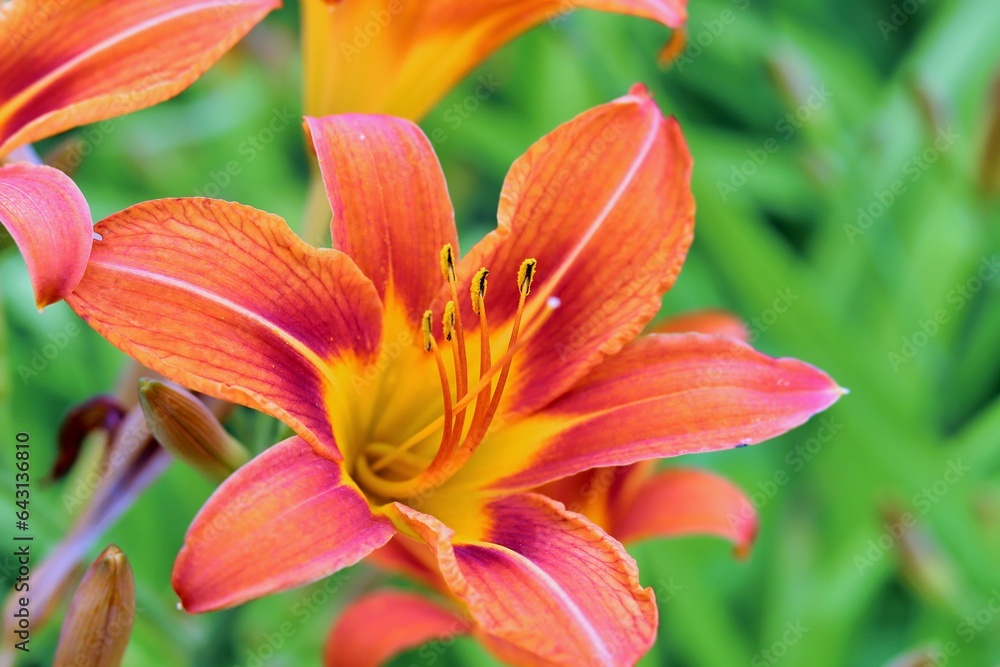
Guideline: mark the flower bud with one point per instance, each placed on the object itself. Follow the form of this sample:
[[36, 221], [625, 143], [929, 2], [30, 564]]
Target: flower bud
[[100, 616], [188, 429]]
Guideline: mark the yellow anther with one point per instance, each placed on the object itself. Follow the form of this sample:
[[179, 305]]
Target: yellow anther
[[449, 320], [448, 263], [478, 289], [426, 328], [526, 274]]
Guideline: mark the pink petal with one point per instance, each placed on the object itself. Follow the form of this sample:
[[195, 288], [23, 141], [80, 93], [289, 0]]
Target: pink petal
[[49, 220], [664, 395], [224, 299], [604, 204], [287, 518], [391, 211], [686, 501], [72, 63], [546, 583], [379, 626]]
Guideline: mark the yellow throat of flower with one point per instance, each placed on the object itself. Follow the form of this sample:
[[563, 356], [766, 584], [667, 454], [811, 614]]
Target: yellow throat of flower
[[396, 471]]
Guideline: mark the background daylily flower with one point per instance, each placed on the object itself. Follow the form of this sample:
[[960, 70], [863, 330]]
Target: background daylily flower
[[71, 63], [343, 346], [400, 58]]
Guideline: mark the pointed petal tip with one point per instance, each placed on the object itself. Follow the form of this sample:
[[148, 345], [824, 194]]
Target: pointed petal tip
[[673, 49], [641, 91], [49, 221], [744, 546], [112, 551]]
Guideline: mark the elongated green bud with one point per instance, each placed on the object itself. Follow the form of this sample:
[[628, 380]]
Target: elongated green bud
[[188, 430], [100, 616]]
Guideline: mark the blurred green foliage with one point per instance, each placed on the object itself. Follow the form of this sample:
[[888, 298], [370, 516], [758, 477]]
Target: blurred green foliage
[[846, 209]]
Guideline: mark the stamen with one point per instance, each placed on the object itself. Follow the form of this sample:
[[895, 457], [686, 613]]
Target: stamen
[[448, 264], [449, 320], [549, 307], [459, 356], [454, 450], [524, 277], [425, 326], [430, 345], [525, 274], [478, 289]]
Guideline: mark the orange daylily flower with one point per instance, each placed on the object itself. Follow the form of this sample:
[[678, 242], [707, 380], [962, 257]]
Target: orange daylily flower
[[400, 57], [67, 64], [630, 503], [397, 432]]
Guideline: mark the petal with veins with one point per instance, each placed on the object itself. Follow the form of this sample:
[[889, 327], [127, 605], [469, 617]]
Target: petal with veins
[[49, 220], [287, 518]]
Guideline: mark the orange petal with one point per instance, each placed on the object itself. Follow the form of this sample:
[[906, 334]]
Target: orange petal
[[379, 626], [596, 493], [399, 556], [226, 300], [685, 501], [664, 395], [49, 220], [391, 211], [708, 321], [79, 62], [287, 518], [545, 583], [418, 51], [604, 204]]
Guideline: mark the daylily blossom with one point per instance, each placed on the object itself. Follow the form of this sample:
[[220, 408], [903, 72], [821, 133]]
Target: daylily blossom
[[399, 57], [65, 64], [630, 503], [417, 412]]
